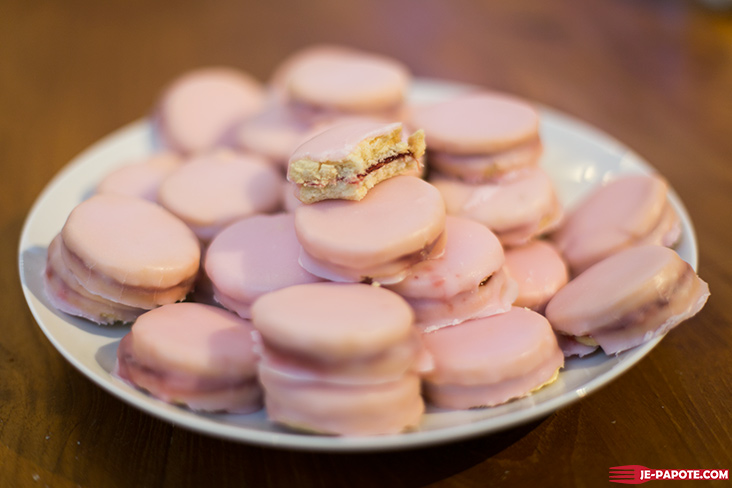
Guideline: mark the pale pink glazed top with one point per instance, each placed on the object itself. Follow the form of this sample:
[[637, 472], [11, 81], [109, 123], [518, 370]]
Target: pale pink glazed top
[[472, 253], [399, 216], [194, 338], [141, 179], [280, 77], [333, 321], [356, 82], [132, 241], [611, 218], [617, 286], [491, 349], [254, 256], [477, 123], [539, 271], [274, 133], [501, 206], [212, 190], [198, 109], [339, 141]]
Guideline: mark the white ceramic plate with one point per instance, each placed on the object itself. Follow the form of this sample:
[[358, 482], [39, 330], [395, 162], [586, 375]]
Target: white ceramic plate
[[577, 156]]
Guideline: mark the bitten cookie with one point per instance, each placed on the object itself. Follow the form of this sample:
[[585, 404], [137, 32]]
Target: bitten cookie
[[347, 160]]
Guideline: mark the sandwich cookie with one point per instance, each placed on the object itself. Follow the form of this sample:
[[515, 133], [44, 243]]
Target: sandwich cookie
[[539, 271], [467, 281], [68, 295], [128, 251], [517, 210], [628, 299], [215, 189], [489, 361], [141, 178], [199, 110], [338, 82], [194, 355], [252, 257], [399, 223], [347, 160], [627, 211], [341, 359], [480, 137]]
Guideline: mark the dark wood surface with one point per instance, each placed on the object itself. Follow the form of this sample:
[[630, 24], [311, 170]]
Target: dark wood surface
[[656, 75]]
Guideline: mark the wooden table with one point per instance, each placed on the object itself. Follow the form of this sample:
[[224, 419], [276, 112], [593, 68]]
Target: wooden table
[[655, 75]]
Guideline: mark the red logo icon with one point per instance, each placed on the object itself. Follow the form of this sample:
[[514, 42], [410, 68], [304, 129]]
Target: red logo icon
[[630, 474]]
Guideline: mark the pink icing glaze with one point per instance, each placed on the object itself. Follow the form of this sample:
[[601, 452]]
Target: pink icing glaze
[[357, 82], [477, 123], [372, 409], [339, 141], [215, 189], [199, 109], [252, 257], [489, 361], [539, 271], [66, 293], [130, 250], [627, 211], [494, 297], [140, 179], [195, 354], [398, 217], [472, 253], [333, 321], [516, 210], [628, 298]]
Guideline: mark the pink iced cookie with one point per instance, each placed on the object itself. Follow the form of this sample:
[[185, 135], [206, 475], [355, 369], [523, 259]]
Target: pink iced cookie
[[215, 189], [539, 271], [628, 299], [477, 123], [130, 251], [348, 159], [465, 282], [339, 359], [516, 210], [348, 82], [199, 110], [489, 361], [273, 133], [141, 179], [280, 78], [66, 293], [252, 257], [195, 355], [480, 136], [627, 211], [399, 223], [477, 168]]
